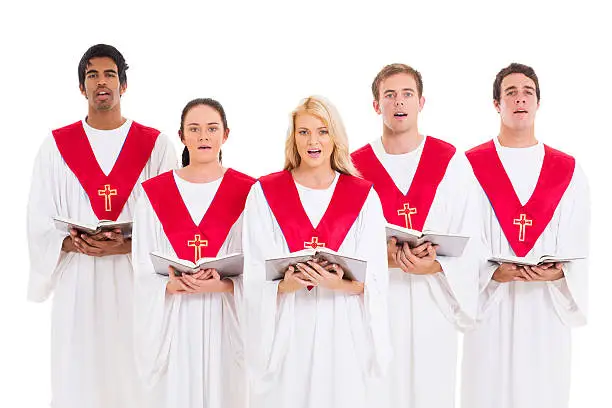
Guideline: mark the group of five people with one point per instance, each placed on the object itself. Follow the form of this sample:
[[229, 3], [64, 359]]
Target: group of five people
[[125, 336]]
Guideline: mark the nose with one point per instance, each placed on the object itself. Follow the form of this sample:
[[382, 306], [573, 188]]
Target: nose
[[399, 102], [520, 100], [312, 137]]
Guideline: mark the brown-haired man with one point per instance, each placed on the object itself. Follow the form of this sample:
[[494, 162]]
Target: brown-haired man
[[422, 184], [535, 202]]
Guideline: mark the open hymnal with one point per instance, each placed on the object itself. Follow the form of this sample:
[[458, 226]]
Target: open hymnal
[[66, 224], [354, 268], [227, 265], [447, 244], [533, 261]]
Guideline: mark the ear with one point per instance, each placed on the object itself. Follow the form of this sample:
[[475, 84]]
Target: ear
[[225, 135], [180, 133], [496, 105], [376, 105], [82, 89], [122, 88], [421, 103]]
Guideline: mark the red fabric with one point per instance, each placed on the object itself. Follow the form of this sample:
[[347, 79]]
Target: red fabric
[[522, 224], [284, 201], [190, 241], [410, 210], [107, 194]]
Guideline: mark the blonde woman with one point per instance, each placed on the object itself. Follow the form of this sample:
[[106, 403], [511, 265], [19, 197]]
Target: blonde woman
[[314, 339]]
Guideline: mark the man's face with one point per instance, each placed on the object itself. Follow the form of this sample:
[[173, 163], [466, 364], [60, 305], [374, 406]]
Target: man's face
[[102, 88], [399, 102], [518, 102]]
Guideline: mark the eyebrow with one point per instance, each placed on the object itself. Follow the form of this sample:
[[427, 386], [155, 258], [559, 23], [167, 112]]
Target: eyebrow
[[91, 71], [393, 90], [197, 124], [514, 87]]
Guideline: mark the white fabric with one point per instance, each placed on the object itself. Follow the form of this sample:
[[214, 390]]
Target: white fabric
[[318, 348], [519, 354], [426, 311], [91, 339], [197, 196], [189, 346], [106, 144], [401, 167], [312, 198], [526, 175]]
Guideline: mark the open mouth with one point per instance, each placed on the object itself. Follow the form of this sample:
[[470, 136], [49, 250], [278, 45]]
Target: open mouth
[[314, 153], [400, 115], [103, 95], [521, 111]]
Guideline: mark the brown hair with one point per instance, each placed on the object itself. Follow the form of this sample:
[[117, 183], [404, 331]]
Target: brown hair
[[394, 69], [514, 68]]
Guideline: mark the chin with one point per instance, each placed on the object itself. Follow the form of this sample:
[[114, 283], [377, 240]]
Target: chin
[[313, 163], [521, 125], [203, 158]]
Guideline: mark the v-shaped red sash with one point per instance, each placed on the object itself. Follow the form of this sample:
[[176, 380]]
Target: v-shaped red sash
[[283, 198], [190, 241], [410, 210], [522, 224], [107, 194]]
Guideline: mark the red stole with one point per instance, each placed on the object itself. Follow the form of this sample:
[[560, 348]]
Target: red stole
[[283, 198], [107, 194], [410, 210], [522, 224], [192, 242]]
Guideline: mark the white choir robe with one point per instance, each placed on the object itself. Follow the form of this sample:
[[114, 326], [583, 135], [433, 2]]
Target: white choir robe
[[92, 359], [426, 312], [318, 348], [188, 346], [519, 354]]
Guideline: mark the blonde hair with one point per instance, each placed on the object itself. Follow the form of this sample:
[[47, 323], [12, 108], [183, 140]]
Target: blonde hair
[[322, 109]]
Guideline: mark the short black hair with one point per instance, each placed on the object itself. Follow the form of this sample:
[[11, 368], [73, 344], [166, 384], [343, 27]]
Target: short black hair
[[514, 68], [100, 51]]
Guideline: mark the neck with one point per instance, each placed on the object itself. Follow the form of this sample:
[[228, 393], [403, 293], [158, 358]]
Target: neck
[[320, 177], [202, 172], [517, 137], [105, 120], [400, 143]]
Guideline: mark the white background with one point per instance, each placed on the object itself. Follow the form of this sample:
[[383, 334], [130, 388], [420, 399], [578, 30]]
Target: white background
[[259, 60]]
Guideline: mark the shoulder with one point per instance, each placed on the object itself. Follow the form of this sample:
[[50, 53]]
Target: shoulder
[[361, 152], [67, 129], [559, 155], [272, 177], [241, 177], [357, 182], [477, 150], [48, 150], [157, 181], [146, 130], [441, 144]]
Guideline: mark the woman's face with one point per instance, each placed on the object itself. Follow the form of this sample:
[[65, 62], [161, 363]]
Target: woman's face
[[203, 134], [313, 142]]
